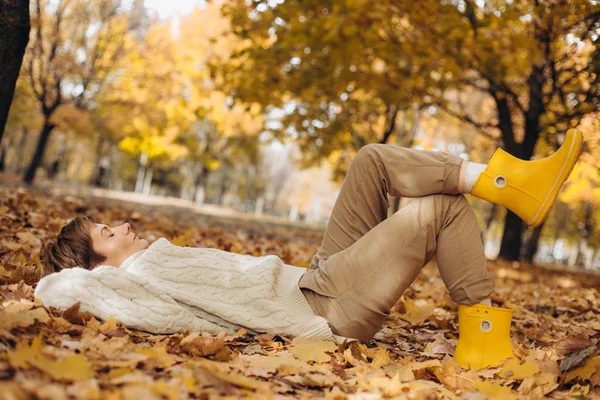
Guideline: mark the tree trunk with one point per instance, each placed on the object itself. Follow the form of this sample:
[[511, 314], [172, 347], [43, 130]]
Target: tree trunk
[[222, 188], [39, 152], [139, 182], [97, 178], [259, 206], [2, 158], [584, 233], [488, 223], [198, 182], [20, 167], [147, 186], [510, 247], [532, 243], [511, 241], [14, 31]]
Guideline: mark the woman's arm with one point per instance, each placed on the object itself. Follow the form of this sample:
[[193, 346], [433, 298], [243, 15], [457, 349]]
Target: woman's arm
[[132, 299]]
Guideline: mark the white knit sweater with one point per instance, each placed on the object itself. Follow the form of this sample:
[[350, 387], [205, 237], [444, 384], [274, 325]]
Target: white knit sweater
[[167, 289]]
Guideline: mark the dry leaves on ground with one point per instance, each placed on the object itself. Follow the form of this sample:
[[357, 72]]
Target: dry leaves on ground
[[68, 354]]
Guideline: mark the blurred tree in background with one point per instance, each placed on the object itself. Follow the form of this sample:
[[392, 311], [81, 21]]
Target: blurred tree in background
[[345, 69], [14, 31], [74, 46], [218, 104]]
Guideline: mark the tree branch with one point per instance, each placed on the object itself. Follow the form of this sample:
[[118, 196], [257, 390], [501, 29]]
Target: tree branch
[[480, 126]]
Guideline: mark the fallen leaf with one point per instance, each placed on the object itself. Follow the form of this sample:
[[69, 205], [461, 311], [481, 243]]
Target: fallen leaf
[[585, 371], [495, 389], [417, 311], [577, 357], [571, 343], [71, 368], [307, 350], [23, 318], [203, 344], [515, 370], [18, 305]]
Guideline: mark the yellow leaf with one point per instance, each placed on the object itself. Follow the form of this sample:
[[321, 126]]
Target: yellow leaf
[[415, 366], [119, 372], [232, 377], [514, 370], [494, 389], [13, 306], [111, 323], [23, 318], [72, 368], [585, 371], [379, 355], [417, 311], [4, 273], [190, 384], [404, 373], [93, 323], [159, 353], [546, 381], [307, 350], [277, 362], [382, 357]]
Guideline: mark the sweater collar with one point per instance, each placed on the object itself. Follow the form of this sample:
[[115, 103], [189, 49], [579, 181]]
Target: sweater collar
[[129, 260]]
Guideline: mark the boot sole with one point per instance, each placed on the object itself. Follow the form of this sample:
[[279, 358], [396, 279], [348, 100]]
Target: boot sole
[[554, 192]]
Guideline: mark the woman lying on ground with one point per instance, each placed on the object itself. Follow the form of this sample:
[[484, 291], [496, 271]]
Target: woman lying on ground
[[364, 264]]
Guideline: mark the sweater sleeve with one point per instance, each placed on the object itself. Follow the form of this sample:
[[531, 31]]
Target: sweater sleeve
[[108, 291]]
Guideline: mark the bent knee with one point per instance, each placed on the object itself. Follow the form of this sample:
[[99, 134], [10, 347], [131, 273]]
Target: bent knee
[[445, 201]]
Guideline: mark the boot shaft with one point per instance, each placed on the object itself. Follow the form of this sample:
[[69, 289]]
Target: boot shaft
[[483, 336]]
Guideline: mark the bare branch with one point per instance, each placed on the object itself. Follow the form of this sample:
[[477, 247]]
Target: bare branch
[[482, 127]]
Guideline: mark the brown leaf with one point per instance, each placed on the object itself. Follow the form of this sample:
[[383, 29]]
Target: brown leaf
[[571, 344], [204, 344], [75, 316], [577, 358]]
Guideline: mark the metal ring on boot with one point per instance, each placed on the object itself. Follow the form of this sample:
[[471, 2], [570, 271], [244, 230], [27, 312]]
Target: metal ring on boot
[[485, 325], [500, 181]]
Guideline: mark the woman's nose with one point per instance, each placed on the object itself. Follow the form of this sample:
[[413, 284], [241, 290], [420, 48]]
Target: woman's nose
[[127, 227]]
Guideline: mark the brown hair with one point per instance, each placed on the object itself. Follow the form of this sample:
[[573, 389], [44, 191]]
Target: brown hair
[[73, 247]]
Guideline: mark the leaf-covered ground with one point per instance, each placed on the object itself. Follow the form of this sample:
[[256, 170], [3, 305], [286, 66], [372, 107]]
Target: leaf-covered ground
[[53, 354]]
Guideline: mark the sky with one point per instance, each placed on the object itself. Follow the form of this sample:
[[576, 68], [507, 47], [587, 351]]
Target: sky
[[167, 8]]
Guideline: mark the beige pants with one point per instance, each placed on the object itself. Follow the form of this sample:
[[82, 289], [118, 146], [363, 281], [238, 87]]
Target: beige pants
[[366, 261]]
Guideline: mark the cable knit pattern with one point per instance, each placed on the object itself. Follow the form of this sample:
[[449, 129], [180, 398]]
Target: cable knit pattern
[[167, 289]]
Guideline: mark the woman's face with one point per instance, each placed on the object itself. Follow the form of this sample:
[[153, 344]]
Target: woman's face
[[116, 243]]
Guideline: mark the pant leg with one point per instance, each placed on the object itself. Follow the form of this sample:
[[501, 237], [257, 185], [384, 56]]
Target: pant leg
[[379, 169], [355, 288]]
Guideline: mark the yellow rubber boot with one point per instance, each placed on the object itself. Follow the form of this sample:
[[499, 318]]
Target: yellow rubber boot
[[528, 188], [483, 336]]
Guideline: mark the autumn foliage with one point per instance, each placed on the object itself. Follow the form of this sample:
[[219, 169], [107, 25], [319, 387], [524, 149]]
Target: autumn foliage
[[49, 353]]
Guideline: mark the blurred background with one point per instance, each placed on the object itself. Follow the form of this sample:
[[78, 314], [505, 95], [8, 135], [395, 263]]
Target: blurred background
[[260, 106]]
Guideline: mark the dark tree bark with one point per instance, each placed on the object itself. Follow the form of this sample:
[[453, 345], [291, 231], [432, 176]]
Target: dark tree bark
[[39, 152], [392, 115], [510, 249], [488, 222], [200, 179], [585, 229], [510, 246], [2, 158], [98, 177], [532, 243], [14, 31]]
